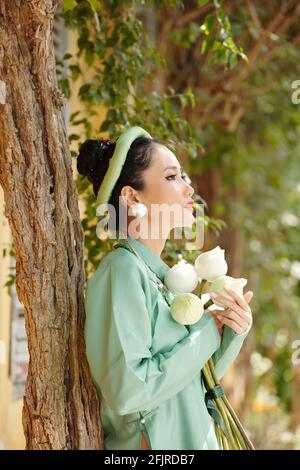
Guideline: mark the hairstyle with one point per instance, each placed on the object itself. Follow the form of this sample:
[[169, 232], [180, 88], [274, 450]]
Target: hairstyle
[[93, 161]]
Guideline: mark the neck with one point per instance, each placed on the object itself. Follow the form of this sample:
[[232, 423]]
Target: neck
[[156, 245]]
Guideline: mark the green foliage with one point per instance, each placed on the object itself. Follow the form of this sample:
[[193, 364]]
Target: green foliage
[[117, 66], [216, 37], [260, 167]]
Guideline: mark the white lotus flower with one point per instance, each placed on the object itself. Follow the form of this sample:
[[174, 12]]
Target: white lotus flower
[[218, 284], [186, 308], [181, 278], [211, 264]]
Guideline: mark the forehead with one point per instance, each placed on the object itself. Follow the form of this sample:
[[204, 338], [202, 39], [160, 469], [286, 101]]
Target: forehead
[[163, 157]]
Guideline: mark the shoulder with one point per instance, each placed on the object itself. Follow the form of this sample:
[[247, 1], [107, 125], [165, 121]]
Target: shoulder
[[119, 264], [122, 259]]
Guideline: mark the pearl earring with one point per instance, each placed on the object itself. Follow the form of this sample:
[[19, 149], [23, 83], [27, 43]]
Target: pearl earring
[[138, 210]]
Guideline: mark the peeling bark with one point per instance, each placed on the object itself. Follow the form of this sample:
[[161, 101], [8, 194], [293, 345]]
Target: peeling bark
[[61, 408]]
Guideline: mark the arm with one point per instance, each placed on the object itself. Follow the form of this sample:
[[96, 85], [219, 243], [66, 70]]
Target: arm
[[229, 349], [129, 376], [237, 314]]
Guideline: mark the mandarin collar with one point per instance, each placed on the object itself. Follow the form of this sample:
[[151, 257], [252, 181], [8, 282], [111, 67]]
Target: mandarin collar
[[152, 259]]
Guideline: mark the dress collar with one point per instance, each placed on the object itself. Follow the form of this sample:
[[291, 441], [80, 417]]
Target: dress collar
[[154, 261]]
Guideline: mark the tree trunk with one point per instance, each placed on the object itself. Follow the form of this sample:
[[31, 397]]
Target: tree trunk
[[61, 408]]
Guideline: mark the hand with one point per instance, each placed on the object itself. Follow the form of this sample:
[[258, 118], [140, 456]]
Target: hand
[[237, 315], [220, 326]]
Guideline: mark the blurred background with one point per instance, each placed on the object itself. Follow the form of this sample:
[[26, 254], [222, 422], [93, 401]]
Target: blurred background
[[219, 83]]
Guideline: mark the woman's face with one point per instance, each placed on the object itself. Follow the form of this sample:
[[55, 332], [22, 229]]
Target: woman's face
[[166, 193]]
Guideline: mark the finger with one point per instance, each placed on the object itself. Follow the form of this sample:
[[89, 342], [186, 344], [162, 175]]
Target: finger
[[230, 304], [241, 325], [212, 308], [237, 297], [248, 296], [232, 324], [219, 323], [243, 321]]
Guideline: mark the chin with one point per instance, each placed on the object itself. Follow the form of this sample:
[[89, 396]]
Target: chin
[[188, 221]]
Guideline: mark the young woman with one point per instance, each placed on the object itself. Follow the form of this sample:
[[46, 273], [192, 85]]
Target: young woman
[[145, 365]]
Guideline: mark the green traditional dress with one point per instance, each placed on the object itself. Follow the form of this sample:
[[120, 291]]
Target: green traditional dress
[[145, 365]]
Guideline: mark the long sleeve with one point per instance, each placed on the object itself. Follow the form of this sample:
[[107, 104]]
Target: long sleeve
[[228, 351], [118, 337]]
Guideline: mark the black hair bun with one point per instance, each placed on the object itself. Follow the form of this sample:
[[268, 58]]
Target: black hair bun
[[93, 159]]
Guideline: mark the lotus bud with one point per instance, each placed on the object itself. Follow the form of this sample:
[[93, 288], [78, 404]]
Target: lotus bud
[[181, 278], [218, 284], [187, 308], [211, 264]]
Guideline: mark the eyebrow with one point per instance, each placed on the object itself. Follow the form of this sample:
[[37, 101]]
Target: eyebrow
[[174, 168]]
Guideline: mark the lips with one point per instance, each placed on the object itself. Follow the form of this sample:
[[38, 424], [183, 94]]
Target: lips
[[189, 203], [189, 206]]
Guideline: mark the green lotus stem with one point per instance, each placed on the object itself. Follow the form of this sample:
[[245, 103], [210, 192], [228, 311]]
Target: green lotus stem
[[219, 403], [212, 382], [217, 432], [207, 304], [238, 436], [238, 424], [221, 438], [213, 370], [230, 409], [225, 443], [226, 422], [202, 284], [236, 433]]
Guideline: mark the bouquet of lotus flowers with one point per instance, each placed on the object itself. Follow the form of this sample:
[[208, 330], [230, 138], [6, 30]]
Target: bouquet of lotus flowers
[[210, 270]]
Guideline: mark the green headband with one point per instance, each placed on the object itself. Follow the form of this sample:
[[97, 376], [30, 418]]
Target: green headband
[[117, 161]]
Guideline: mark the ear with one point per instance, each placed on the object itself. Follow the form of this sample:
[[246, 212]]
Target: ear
[[129, 196]]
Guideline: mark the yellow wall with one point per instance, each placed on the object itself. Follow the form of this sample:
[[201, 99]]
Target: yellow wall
[[11, 431]]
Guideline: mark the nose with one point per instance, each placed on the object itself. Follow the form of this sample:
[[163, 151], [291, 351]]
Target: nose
[[189, 190]]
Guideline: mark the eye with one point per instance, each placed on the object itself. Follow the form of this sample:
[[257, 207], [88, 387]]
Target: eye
[[171, 176], [174, 176]]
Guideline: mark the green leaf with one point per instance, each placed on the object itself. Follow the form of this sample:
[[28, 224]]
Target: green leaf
[[193, 153], [75, 71], [84, 90], [69, 5], [105, 125], [191, 97], [183, 100], [74, 115], [67, 56], [233, 61], [95, 4], [209, 23], [73, 137], [64, 86], [201, 3], [207, 44]]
